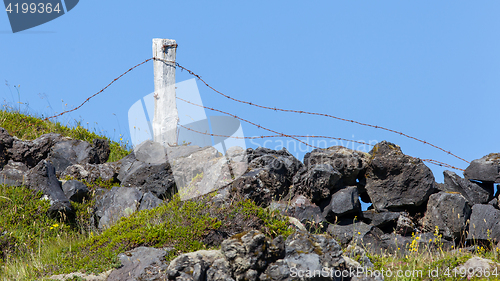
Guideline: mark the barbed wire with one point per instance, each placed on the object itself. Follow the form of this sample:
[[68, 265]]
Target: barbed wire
[[85, 101], [431, 161], [314, 113], [441, 164], [273, 136], [247, 121], [278, 134]]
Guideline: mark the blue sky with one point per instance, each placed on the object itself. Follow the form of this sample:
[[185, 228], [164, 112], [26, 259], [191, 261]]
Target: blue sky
[[427, 68]]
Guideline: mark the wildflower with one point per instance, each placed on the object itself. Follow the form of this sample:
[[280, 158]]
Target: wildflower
[[54, 226]]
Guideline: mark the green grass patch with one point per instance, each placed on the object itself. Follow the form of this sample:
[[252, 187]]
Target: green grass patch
[[176, 224], [29, 127], [27, 234]]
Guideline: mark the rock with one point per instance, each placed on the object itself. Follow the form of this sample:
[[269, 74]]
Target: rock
[[281, 162], [205, 170], [217, 173], [150, 152], [149, 201], [261, 185], [14, 174], [350, 163], [302, 209], [449, 212], [358, 253], [395, 180], [194, 267], [383, 220], [399, 245], [102, 150], [474, 193], [155, 178], [75, 191], [344, 234], [306, 212], [276, 271], [270, 176], [246, 253], [43, 178], [484, 223], [494, 203], [344, 202], [32, 152], [252, 256], [186, 167], [308, 252], [92, 172], [119, 202], [6, 142], [476, 266], [405, 224], [69, 152], [486, 169], [317, 183], [137, 265]]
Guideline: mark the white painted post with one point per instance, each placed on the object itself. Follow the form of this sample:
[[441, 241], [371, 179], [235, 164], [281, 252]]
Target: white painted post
[[166, 117]]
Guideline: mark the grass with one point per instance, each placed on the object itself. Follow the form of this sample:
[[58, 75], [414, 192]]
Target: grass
[[28, 127], [34, 246]]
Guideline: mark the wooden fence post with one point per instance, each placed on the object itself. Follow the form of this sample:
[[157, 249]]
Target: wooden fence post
[[166, 117]]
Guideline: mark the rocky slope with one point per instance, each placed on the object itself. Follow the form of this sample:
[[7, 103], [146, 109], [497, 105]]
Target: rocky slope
[[321, 196]]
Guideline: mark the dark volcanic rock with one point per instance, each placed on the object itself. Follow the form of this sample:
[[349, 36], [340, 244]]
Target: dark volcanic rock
[[474, 193], [317, 183], [149, 201], [486, 169], [6, 141], [75, 191], [484, 223], [14, 174], [350, 163], [344, 234], [280, 162], [449, 212], [119, 202], [32, 152], [305, 251], [155, 178], [305, 211], [344, 202], [262, 186], [102, 150], [383, 220], [245, 254], [270, 175], [141, 263], [252, 256], [69, 152], [395, 180], [395, 244], [92, 172], [43, 178], [200, 265]]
